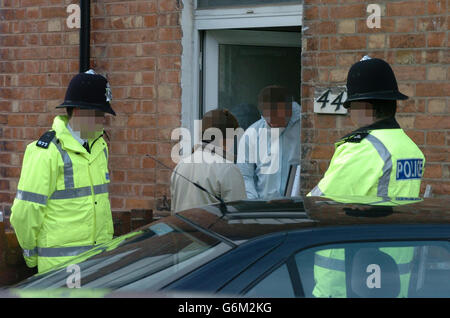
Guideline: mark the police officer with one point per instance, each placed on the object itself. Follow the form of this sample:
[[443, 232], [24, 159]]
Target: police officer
[[62, 204], [377, 160]]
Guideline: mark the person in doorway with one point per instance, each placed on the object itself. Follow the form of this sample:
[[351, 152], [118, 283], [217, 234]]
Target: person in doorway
[[62, 204], [271, 145]]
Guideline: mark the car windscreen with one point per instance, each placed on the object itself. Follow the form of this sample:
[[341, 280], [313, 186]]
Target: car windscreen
[[161, 252]]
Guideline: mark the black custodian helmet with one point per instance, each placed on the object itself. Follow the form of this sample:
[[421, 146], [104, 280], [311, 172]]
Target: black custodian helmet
[[371, 79], [89, 91]]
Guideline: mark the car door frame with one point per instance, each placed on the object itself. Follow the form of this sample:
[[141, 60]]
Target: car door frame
[[328, 236]]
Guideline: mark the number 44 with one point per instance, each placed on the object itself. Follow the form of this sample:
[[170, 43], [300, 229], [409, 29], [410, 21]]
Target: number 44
[[337, 101]]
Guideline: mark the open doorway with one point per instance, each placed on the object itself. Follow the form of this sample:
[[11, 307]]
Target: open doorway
[[239, 63]]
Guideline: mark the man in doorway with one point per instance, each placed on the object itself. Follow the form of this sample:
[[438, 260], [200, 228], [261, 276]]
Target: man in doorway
[[263, 160], [62, 204]]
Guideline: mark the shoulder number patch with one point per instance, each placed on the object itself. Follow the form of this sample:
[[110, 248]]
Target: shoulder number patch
[[357, 137], [44, 141], [409, 169]]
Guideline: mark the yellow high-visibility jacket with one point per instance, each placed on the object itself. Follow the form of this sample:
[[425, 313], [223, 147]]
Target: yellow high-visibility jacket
[[62, 204], [379, 160]]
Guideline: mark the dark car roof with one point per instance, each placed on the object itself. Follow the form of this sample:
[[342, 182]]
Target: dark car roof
[[245, 219]]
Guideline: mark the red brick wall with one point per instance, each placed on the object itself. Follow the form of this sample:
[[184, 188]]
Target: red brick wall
[[136, 45], [413, 38]]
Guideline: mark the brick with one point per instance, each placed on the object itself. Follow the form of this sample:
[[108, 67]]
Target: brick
[[417, 136], [431, 122], [436, 39], [432, 89], [309, 74], [150, 21], [324, 13], [338, 75], [147, 176], [433, 171], [121, 51], [408, 73], [134, 36], [432, 24], [117, 9], [437, 106], [168, 121], [141, 121], [349, 43], [348, 11], [312, 44], [407, 41], [172, 48], [406, 122], [169, 107], [436, 138], [53, 12], [54, 25], [146, 107], [117, 203], [322, 152], [405, 8], [138, 204], [405, 25], [346, 26], [435, 154], [148, 6], [169, 34], [16, 120], [166, 5], [377, 41], [436, 73], [310, 13], [437, 6]]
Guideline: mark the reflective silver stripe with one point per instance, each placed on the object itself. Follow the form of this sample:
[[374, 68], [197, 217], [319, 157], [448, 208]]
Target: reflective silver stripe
[[316, 192], [68, 169], [31, 197], [101, 188], [106, 153], [339, 265], [62, 251], [29, 253], [329, 263], [71, 193], [383, 183]]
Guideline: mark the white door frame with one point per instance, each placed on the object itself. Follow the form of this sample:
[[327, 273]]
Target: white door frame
[[193, 21]]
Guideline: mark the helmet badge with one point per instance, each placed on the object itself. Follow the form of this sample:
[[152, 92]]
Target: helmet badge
[[108, 93]]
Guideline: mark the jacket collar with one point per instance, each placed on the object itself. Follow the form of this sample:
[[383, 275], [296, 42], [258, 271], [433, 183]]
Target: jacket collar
[[388, 123], [65, 137], [214, 149]]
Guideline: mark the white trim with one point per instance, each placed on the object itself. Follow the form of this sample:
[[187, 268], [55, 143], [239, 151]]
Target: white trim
[[249, 17], [189, 67]]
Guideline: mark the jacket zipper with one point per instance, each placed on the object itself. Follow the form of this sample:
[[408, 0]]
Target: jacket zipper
[[93, 202]]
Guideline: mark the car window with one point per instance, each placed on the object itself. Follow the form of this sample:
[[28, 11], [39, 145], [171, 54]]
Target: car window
[[372, 270], [276, 284], [142, 260]]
